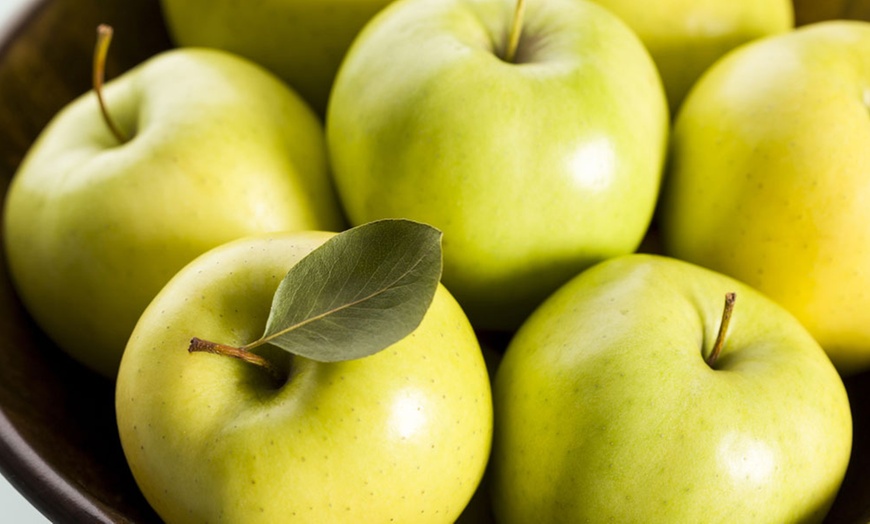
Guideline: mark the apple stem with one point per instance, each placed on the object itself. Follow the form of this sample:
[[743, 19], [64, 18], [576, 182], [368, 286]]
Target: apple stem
[[516, 30], [104, 38], [241, 353], [723, 329]]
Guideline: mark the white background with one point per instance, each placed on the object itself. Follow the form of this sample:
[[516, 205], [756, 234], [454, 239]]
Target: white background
[[14, 509]]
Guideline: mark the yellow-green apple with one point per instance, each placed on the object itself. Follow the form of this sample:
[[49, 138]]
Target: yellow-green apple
[[303, 41], [534, 165], [770, 179], [402, 435], [685, 37], [216, 148], [623, 399]]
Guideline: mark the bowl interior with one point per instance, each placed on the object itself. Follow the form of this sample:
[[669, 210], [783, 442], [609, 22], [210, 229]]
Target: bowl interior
[[58, 439]]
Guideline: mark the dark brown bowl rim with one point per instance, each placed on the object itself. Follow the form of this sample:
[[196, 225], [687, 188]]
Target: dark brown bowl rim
[[50, 492]]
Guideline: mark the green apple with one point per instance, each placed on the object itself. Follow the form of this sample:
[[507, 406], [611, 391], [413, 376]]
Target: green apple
[[534, 167], [303, 41], [610, 408], [400, 436], [685, 37], [769, 179], [218, 148]]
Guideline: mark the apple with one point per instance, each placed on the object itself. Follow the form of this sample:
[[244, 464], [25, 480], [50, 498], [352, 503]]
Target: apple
[[217, 148], [303, 41], [685, 37], [610, 405], [402, 435], [534, 166], [769, 179]]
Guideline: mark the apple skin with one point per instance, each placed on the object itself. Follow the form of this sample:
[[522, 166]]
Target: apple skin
[[220, 149], [533, 170], [769, 179], [401, 436], [302, 41], [606, 411], [685, 37]]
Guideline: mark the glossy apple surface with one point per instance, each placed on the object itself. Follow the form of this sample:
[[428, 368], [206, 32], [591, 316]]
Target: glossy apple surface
[[606, 410], [217, 149], [400, 436], [533, 168], [769, 179]]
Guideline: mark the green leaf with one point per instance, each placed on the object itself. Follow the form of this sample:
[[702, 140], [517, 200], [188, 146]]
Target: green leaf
[[358, 293]]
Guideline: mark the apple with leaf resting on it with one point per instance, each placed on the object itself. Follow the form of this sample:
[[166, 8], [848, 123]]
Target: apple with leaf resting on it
[[360, 393], [685, 37], [532, 134], [302, 41], [197, 147], [770, 179], [633, 395]]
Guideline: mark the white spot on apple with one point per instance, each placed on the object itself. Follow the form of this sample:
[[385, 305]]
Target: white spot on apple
[[593, 164], [407, 416], [746, 459]]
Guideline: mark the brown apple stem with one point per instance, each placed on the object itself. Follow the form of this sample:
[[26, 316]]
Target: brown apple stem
[[723, 329], [516, 30], [104, 38], [241, 353]]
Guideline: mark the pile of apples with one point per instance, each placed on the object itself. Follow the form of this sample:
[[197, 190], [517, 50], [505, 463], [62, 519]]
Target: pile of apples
[[664, 212]]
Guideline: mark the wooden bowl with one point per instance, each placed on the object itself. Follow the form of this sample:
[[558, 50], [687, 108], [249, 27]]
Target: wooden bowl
[[58, 440]]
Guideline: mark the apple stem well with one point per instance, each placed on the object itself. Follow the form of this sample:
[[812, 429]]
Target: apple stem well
[[513, 43], [723, 329], [104, 38]]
